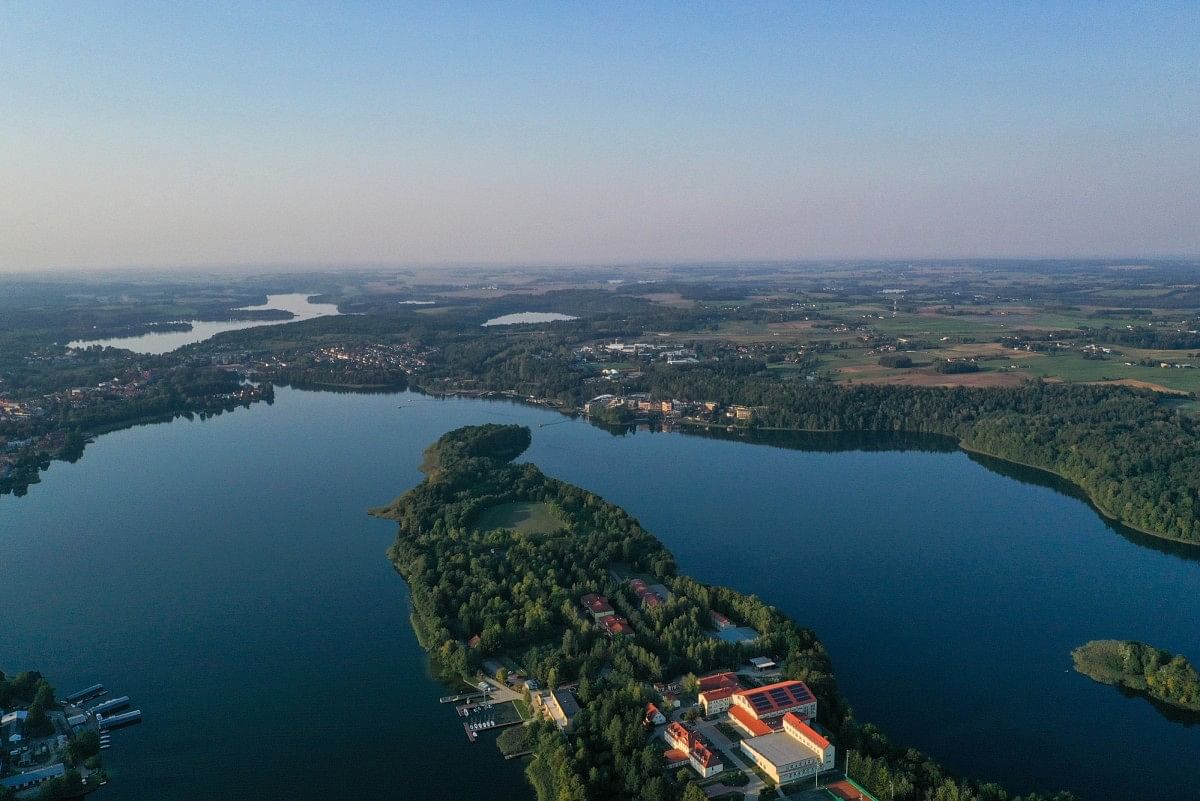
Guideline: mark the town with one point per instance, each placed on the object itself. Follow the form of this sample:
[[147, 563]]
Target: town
[[741, 733]]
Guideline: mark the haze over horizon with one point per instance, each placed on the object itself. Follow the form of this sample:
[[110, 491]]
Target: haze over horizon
[[221, 134]]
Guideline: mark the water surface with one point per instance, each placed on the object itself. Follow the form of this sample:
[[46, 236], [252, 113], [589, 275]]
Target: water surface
[[528, 317], [167, 341], [225, 575]]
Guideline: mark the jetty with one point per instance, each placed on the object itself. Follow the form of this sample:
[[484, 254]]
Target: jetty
[[116, 721], [111, 705], [95, 691]]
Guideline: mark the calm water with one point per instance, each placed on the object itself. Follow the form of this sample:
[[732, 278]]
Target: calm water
[[224, 574], [528, 317], [167, 341]]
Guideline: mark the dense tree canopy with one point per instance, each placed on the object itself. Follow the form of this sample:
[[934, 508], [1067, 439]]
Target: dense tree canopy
[[519, 591]]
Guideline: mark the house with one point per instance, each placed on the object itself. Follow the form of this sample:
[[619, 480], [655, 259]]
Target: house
[[645, 594], [716, 701], [763, 663], [716, 691], [767, 705], [616, 626], [715, 681], [474, 641], [794, 752], [597, 605], [720, 621], [703, 758], [654, 716]]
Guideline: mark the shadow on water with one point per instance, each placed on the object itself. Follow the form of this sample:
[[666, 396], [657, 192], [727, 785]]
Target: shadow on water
[[1185, 717], [812, 441], [1041, 478]]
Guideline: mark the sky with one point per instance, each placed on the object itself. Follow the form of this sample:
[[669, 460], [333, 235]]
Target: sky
[[213, 133]]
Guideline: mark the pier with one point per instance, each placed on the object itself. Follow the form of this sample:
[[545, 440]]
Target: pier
[[111, 705], [95, 691], [123, 719]]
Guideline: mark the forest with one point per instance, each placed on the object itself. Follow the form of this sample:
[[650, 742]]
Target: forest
[[519, 592]]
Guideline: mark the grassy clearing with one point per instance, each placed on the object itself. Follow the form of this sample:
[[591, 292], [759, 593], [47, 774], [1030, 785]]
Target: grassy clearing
[[525, 517]]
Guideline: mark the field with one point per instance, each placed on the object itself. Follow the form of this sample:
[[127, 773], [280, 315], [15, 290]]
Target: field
[[525, 517]]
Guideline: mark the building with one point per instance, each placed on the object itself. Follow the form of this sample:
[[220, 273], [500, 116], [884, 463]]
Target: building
[[560, 706], [597, 606], [742, 412], [720, 621], [767, 705], [716, 701], [654, 716], [616, 626], [794, 752], [645, 594], [703, 758], [716, 681], [716, 691], [33, 777], [763, 663]]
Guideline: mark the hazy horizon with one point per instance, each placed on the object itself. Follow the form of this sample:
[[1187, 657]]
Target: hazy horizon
[[282, 136]]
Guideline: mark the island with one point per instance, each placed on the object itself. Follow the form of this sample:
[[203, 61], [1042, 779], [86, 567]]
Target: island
[[1145, 670], [629, 680]]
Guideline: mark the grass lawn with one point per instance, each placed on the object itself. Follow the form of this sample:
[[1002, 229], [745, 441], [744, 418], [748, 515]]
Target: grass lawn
[[526, 517]]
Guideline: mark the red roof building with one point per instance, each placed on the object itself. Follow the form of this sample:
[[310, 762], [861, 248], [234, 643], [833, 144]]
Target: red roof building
[[752, 726], [715, 701], [719, 681], [702, 756], [774, 700], [804, 733], [616, 626], [654, 716], [597, 605]]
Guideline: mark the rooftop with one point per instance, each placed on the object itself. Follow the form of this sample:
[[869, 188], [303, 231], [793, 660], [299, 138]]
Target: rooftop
[[780, 748], [719, 681], [794, 723], [748, 722], [775, 698]]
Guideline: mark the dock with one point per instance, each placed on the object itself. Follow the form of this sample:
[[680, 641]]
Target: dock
[[95, 691], [111, 705], [450, 699], [123, 719]]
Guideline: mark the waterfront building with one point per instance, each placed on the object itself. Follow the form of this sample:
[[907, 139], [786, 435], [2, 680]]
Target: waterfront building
[[795, 752]]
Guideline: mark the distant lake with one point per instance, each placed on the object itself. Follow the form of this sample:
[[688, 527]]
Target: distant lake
[[224, 574], [529, 317], [167, 341]]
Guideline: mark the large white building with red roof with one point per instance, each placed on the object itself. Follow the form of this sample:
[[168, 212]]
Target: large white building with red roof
[[769, 703], [796, 751]]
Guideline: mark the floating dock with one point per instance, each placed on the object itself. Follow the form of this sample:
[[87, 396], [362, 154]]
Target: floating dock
[[95, 691], [110, 706], [123, 719]]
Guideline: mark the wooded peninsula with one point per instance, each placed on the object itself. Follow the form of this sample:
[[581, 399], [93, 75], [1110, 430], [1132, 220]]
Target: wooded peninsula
[[480, 592]]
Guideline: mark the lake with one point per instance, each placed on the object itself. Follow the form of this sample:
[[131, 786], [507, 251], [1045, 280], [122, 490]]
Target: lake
[[528, 317], [167, 341], [224, 574]]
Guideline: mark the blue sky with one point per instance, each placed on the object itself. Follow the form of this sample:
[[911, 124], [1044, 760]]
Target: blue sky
[[210, 133]]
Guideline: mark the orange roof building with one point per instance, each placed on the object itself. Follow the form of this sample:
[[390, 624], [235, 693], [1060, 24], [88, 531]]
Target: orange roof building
[[775, 700], [793, 753]]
